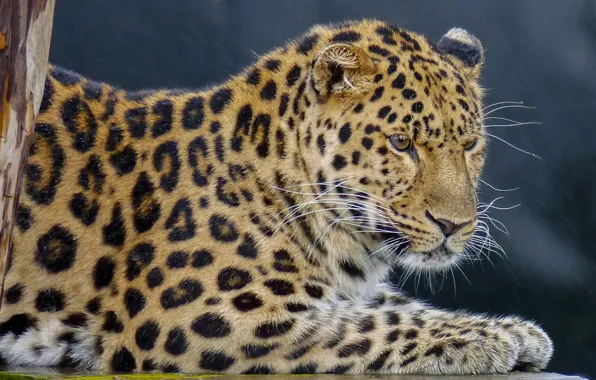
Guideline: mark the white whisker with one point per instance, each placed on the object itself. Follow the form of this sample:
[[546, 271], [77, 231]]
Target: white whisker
[[502, 103], [513, 146], [506, 107], [497, 189], [503, 119], [512, 125]]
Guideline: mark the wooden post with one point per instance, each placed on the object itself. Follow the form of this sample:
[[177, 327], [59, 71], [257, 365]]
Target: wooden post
[[25, 33]]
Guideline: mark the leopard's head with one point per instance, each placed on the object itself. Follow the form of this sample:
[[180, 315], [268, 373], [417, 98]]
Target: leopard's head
[[400, 132]]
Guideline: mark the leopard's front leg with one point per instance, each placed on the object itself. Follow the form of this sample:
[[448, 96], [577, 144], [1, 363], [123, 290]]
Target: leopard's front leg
[[393, 334], [264, 323]]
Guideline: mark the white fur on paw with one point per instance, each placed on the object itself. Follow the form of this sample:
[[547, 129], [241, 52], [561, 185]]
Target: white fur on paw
[[536, 347]]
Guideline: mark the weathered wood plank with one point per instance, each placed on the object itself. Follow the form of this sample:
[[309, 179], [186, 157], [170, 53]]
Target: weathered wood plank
[[25, 33]]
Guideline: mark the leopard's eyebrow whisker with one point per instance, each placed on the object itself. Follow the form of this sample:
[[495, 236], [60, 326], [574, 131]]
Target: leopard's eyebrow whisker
[[513, 146], [494, 105], [517, 124], [497, 189]]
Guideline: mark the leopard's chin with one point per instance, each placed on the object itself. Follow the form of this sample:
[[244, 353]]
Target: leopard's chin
[[439, 259]]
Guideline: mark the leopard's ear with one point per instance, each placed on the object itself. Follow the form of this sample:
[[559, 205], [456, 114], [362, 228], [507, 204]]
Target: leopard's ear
[[465, 48], [340, 69]]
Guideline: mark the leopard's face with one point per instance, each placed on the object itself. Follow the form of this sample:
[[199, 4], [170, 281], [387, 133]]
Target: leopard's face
[[403, 138]]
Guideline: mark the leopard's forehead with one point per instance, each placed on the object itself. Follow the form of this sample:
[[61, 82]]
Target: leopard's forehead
[[418, 90]]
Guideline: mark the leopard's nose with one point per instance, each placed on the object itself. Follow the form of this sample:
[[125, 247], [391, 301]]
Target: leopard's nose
[[447, 227]]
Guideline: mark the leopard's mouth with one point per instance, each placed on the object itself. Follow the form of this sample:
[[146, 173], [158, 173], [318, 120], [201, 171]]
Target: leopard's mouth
[[439, 253], [438, 258]]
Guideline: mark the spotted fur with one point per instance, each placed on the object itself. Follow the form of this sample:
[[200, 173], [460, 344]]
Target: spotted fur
[[248, 228]]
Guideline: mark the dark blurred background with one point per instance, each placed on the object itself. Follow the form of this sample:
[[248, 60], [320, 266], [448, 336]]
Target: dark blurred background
[[541, 52]]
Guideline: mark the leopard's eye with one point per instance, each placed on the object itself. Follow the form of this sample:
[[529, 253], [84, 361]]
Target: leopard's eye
[[401, 143], [470, 145]]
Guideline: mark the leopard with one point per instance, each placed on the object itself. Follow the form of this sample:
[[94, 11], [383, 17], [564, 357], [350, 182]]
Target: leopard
[[251, 227]]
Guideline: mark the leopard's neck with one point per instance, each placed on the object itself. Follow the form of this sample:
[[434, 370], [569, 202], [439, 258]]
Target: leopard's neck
[[262, 122]]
